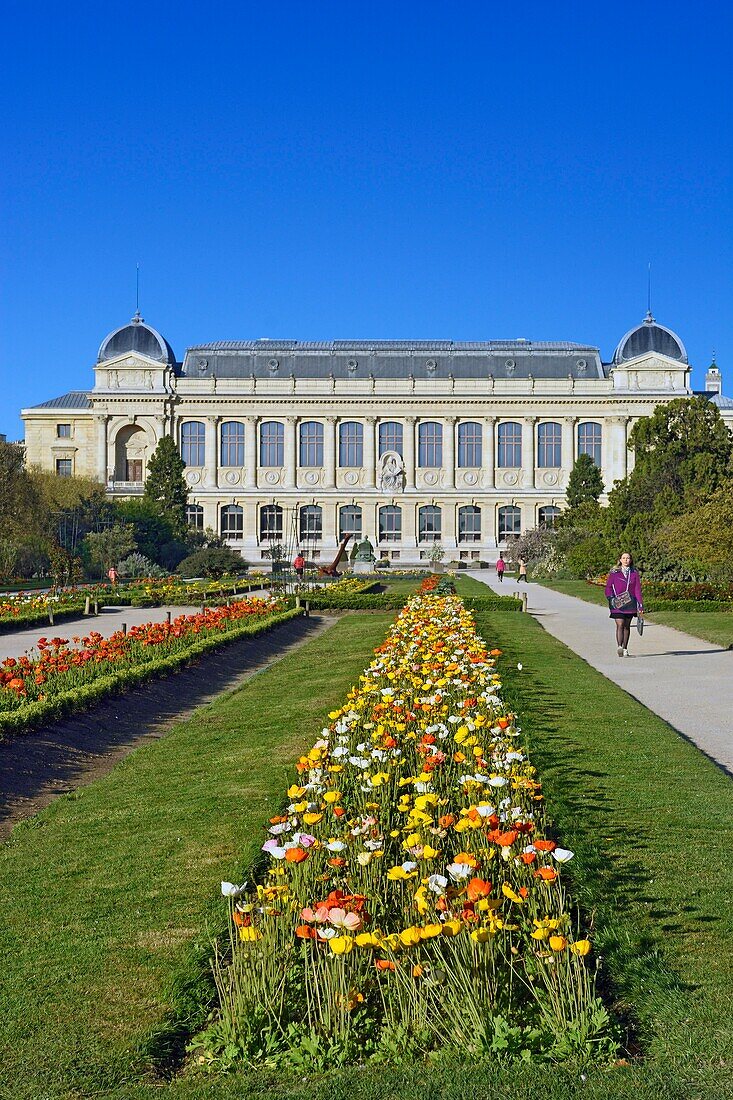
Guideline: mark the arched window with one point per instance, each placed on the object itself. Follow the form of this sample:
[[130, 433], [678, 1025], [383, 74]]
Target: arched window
[[232, 522], [311, 443], [547, 515], [351, 444], [510, 522], [429, 523], [430, 444], [350, 521], [271, 523], [390, 523], [272, 443], [195, 516], [469, 444], [589, 441], [390, 437], [232, 443], [469, 523], [549, 445], [311, 523], [509, 449], [193, 434]]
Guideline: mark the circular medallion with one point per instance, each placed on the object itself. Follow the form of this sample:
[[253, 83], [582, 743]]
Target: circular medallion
[[272, 477], [550, 479], [193, 478], [311, 477], [430, 478], [511, 479], [470, 478], [351, 478], [231, 477]]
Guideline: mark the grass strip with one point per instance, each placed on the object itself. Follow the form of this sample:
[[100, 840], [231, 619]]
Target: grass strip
[[42, 711], [107, 891]]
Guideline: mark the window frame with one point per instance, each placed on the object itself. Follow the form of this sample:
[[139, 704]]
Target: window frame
[[388, 440], [541, 522], [472, 533], [470, 445], [501, 517], [549, 445], [193, 447], [310, 450], [266, 534], [509, 447], [229, 511], [351, 444], [227, 444], [354, 531], [68, 467], [198, 512], [427, 528], [391, 532], [430, 445], [64, 434], [586, 448], [274, 447], [310, 532]]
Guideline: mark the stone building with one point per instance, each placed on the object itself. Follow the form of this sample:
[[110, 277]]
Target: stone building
[[407, 442]]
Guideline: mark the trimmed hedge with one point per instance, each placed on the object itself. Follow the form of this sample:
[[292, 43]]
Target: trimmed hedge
[[40, 618], [653, 605], [386, 602], [76, 699]]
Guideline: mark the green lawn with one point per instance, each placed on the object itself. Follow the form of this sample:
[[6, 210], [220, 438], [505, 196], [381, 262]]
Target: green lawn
[[105, 893], [591, 593], [465, 586]]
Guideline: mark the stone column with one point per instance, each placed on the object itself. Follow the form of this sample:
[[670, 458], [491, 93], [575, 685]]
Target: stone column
[[528, 451], [489, 452], [102, 448], [370, 451], [211, 446], [160, 422], [409, 523], [329, 452], [567, 457], [250, 452], [615, 454], [449, 451], [410, 450], [250, 517], [291, 452]]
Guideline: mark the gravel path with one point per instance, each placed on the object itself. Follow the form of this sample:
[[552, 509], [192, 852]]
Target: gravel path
[[685, 680]]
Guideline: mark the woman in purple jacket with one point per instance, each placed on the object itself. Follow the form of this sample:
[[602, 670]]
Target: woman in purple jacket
[[623, 589]]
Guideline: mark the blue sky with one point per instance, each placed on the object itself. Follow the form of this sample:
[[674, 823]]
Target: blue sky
[[387, 170]]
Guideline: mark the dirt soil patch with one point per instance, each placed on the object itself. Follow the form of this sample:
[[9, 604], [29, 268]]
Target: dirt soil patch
[[58, 758]]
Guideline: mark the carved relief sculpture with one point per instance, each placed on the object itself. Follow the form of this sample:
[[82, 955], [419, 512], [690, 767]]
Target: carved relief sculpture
[[391, 473]]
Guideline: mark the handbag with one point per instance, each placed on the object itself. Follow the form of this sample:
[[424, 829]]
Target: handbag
[[624, 601], [640, 625]]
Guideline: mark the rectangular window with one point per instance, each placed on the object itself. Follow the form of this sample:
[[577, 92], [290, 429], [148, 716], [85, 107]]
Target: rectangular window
[[390, 437], [589, 441], [351, 444], [350, 522], [429, 524], [272, 443], [469, 444], [63, 467], [390, 524], [134, 470], [311, 443], [469, 524], [509, 450], [63, 431], [549, 446], [195, 516], [232, 443], [430, 445], [193, 442]]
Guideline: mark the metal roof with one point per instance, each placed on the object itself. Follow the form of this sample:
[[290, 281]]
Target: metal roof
[[75, 399], [136, 336], [362, 359], [649, 336]]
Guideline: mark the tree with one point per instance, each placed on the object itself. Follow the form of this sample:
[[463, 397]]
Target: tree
[[585, 482], [212, 562], [701, 540], [683, 450], [20, 508], [165, 487], [106, 548]]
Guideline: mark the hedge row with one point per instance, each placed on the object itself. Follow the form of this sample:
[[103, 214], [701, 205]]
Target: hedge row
[[39, 618], [76, 699], [650, 606], [386, 602]]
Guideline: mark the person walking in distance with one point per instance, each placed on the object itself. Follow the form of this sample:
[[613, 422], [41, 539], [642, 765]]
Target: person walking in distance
[[522, 571], [500, 567], [113, 576], [299, 565], [623, 591]]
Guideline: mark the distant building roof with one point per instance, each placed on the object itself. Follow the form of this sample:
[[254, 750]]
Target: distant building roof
[[75, 399], [649, 337], [722, 402], [139, 337], [361, 359]]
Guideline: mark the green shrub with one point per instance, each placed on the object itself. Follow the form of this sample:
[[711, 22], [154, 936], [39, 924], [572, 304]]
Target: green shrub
[[213, 561]]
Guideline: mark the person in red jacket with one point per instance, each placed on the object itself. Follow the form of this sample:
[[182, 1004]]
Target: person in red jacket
[[299, 565], [500, 567], [623, 591]]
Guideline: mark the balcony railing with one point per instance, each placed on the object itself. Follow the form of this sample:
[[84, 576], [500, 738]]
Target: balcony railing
[[125, 486]]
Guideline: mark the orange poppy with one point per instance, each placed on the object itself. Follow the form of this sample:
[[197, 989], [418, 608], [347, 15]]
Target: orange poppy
[[545, 845], [305, 932], [296, 855], [505, 840], [528, 857], [446, 821], [337, 861], [385, 964], [548, 874], [478, 888]]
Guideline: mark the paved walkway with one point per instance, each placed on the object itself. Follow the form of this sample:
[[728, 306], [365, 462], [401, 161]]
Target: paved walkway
[[685, 680], [106, 623]]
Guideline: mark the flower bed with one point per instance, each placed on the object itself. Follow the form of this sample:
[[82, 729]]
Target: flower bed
[[412, 899], [64, 678]]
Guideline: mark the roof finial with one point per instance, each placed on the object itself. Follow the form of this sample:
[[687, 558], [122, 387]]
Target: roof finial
[[649, 320], [137, 319]]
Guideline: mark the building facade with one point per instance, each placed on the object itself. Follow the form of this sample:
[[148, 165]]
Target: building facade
[[406, 442]]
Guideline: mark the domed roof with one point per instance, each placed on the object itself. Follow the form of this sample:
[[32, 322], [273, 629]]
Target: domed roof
[[649, 337], [139, 337]]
